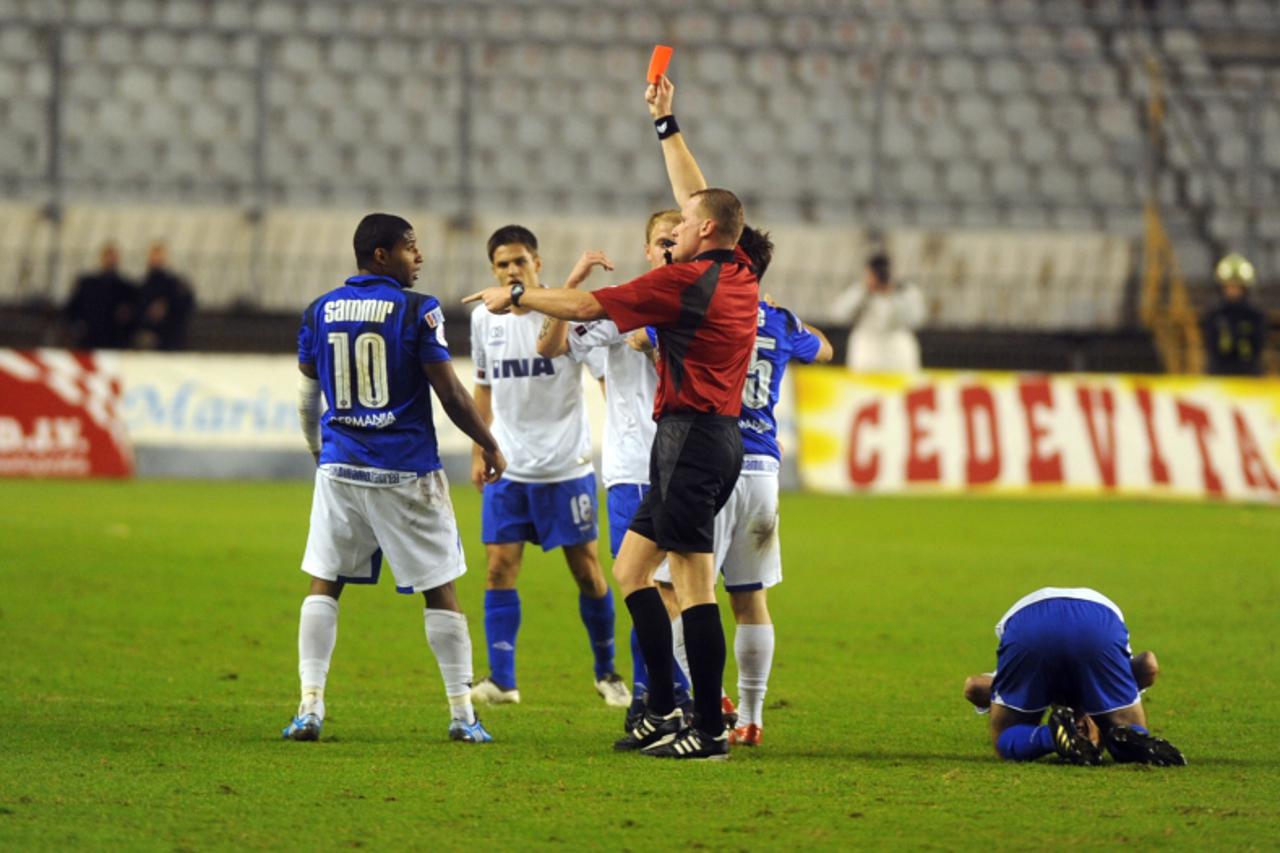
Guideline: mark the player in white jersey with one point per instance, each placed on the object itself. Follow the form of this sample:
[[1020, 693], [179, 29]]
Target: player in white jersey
[[547, 495], [631, 380]]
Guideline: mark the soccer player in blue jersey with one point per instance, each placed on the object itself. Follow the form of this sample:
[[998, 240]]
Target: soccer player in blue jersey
[[1066, 651], [376, 349], [747, 551], [547, 495]]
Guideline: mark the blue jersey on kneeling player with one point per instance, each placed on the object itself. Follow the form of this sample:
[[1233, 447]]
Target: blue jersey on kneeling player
[[368, 340], [780, 337]]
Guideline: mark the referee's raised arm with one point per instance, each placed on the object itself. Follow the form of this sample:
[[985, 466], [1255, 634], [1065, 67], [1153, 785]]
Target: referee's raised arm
[[682, 170]]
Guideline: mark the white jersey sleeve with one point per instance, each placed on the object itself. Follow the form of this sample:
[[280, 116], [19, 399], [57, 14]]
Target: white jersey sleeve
[[630, 383], [587, 342], [479, 336], [585, 338]]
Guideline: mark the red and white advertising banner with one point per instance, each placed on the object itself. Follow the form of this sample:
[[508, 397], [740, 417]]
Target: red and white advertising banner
[[59, 415], [1186, 437]]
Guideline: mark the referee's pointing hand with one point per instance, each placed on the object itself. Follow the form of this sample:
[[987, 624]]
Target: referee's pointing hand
[[496, 299]]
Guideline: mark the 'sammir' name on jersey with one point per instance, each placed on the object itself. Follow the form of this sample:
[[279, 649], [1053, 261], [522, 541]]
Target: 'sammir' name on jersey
[[358, 310]]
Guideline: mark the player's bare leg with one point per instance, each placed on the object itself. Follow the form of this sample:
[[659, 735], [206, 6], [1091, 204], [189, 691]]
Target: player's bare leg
[[450, 642], [503, 564], [317, 635], [753, 645], [595, 605], [501, 624], [584, 565]]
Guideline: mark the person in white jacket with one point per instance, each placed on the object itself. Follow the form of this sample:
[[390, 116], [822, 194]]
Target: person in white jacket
[[882, 317]]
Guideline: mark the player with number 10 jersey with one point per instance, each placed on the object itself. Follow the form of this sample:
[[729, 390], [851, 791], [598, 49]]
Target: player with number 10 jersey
[[375, 350]]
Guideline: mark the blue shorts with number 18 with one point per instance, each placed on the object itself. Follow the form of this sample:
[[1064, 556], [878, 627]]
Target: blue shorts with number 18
[[552, 515]]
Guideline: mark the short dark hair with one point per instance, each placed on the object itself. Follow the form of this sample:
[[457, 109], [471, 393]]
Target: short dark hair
[[878, 263], [378, 231], [724, 208], [759, 248], [513, 235]]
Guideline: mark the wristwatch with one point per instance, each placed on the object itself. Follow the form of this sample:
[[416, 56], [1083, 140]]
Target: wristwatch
[[517, 290]]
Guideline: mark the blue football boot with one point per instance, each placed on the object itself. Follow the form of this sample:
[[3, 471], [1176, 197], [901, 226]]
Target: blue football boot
[[303, 727], [469, 732]]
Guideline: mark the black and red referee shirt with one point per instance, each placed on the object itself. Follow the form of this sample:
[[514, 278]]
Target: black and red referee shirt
[[705, 312]]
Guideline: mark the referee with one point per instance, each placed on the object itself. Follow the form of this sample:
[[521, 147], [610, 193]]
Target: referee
[[703, 306]]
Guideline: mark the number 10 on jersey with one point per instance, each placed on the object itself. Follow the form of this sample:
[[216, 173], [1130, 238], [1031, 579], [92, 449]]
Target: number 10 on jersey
[[372, 389]]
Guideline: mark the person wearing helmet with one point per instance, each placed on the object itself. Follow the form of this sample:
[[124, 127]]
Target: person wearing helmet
[[1234, 330]]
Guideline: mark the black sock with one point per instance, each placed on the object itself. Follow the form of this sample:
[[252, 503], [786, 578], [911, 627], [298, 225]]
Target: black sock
[[653, 630], [704, 642]]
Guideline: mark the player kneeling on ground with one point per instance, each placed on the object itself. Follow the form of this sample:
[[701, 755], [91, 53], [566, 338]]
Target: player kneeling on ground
[[1067, 651], [376, 350]]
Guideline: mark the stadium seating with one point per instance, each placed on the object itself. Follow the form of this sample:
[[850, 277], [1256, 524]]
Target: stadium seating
[[905, 117]]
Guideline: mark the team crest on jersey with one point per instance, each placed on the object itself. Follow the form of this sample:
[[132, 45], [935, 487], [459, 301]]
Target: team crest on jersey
[[497, 333], [435, 320]]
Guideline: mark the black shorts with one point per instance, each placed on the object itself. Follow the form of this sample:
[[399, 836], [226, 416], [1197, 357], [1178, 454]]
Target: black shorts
[[693, 467]]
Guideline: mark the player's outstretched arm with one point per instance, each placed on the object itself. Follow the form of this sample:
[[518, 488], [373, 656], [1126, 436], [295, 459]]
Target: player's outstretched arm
[[462, 410], [825, 350], [682, 170], [553, 339], [564, 303]]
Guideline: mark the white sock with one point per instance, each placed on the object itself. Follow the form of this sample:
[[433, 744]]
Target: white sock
[[677, 647], [317, 634], [753, 649], [451, 644]]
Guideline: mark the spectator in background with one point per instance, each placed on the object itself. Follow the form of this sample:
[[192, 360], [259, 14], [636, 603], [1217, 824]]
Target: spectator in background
[[882, 318], [1234, 331], [100, 314], [165, 303]]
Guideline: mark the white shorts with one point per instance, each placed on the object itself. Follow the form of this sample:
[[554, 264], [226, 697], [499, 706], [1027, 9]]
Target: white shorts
[[747, 551], [412, 523]]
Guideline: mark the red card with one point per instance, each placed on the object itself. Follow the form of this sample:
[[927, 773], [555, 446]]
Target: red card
[[658, 62]]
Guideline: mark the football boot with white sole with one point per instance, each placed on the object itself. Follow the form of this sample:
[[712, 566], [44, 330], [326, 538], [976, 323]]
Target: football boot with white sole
[[489, 692], [692, 743], [614, 691], [649, 729]]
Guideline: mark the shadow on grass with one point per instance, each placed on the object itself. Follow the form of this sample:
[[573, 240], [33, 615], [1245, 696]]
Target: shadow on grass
[[899, 757]]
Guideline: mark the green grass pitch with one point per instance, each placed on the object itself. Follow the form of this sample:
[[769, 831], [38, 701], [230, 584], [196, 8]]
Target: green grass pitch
[[149, 661]]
